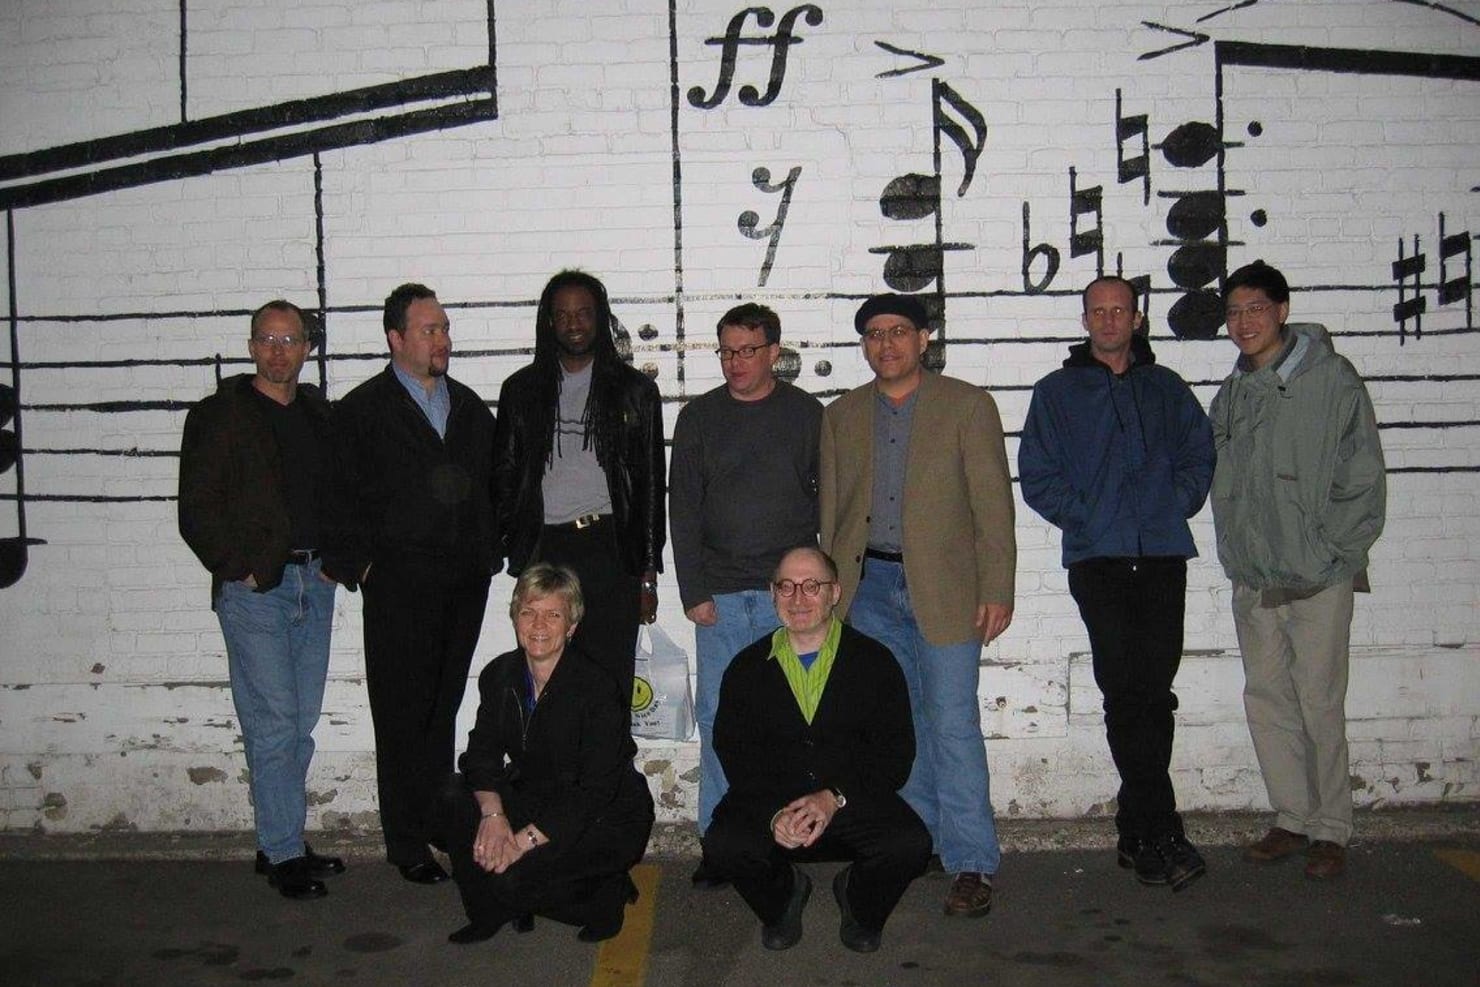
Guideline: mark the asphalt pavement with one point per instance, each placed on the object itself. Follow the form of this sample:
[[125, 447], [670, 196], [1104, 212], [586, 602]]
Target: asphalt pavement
[[108, 910]]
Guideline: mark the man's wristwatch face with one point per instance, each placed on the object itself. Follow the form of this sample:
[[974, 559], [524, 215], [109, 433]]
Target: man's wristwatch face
[[839, 797]]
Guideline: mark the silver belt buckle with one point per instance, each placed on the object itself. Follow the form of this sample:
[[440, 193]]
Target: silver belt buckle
[[586, 520]]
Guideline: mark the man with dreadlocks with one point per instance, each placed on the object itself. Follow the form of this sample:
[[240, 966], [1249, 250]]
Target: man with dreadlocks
[[578, 467]]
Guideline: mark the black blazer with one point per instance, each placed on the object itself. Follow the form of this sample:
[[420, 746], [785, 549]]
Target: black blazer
[[402, 493], [564, 766], [861, 740]]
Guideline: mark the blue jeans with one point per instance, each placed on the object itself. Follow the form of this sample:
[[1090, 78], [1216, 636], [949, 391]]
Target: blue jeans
[[277, 648], [949, 786], [743, 618]]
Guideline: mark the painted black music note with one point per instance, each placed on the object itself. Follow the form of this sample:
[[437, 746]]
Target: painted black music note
[[915, 266], [779, 43], [1132, 167], [1197, 222], [912, 196], [749, 219], [1032, 252], [14, 551], [1457, 288], [972, 145], [1405, 268], [1084, 202]]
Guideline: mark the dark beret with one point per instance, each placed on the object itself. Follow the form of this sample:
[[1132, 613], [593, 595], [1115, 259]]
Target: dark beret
[[907, 306]]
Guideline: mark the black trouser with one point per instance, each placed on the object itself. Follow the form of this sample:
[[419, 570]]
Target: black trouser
[[582, 884], [1133, 608], [421, 623], [608, 632], [886, 841]]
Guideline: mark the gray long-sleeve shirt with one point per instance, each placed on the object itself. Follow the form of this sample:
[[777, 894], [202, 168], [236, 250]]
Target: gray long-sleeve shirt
[[742, 488]]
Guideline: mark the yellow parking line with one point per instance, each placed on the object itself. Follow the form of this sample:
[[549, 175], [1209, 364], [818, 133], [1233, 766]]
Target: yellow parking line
[[622, 961], [1466, 862]]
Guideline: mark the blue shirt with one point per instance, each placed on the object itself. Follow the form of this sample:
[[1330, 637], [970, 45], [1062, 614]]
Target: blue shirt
[[891, 455], [436, 406]]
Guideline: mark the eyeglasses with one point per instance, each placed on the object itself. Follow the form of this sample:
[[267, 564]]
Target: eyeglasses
[[896, 333], [287, 340], [809, 587], [1255, 309], [743, 352]]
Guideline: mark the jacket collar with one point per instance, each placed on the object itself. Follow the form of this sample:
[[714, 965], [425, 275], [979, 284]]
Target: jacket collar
[[1082, 355]]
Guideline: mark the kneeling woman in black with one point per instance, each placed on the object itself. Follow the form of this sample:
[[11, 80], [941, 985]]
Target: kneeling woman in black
[[548, 814]]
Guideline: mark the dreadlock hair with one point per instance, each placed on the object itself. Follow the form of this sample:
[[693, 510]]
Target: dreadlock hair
[[602, 420]]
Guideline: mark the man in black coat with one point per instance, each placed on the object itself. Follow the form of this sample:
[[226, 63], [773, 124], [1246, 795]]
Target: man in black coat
[[416, 516], [815, 736]]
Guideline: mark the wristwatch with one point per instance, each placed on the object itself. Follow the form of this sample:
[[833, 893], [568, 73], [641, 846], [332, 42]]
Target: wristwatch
[[838, 797]]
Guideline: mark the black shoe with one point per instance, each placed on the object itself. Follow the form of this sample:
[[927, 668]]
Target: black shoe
[[318, 866], [323, 866], [601, 931], [853, 935], [426, 872], [705, 878], [473, 932], [293, 879], [787, 930], [524, 923], [608, 928], [1151, 866], [1169, 859], [1127, 848], [1184, 863]]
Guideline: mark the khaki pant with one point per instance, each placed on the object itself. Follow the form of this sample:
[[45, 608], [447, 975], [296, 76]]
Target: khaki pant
[[1295, 651]]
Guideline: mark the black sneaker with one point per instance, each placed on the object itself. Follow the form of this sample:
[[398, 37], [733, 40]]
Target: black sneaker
[[1150, 864], [1169, 859]]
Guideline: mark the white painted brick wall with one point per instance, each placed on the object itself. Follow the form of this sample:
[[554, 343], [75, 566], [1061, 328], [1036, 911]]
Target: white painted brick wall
[[113, 706]]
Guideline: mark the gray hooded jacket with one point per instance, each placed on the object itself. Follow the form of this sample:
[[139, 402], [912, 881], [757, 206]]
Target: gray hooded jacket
[[1300, 492]]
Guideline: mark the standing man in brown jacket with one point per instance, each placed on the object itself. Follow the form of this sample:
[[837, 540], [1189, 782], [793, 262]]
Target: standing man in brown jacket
[[916, 505]]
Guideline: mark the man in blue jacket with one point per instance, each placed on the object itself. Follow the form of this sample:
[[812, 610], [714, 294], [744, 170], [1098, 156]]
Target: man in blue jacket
[[1118, 453]]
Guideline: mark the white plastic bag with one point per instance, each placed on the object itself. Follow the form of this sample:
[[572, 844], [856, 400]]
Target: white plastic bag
[[662, 704]]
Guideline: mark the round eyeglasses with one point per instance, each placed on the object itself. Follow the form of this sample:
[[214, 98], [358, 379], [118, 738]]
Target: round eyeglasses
[[809, 587]]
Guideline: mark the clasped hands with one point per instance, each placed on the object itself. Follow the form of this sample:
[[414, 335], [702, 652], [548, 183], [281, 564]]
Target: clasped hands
[[801, 822], [496, 847]]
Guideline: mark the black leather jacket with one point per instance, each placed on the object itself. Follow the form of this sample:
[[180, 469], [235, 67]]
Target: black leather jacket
[[636, 482]]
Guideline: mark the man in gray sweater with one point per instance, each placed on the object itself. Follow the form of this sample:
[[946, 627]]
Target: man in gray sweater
[[743, 490]]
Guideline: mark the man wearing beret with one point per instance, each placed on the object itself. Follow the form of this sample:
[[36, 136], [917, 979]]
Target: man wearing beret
[[916, 507]]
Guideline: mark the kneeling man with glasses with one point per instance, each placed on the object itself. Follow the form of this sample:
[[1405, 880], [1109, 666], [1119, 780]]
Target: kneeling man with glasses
[[814, 733]]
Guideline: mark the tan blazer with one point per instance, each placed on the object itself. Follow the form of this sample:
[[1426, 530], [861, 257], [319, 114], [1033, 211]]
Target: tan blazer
[[959, 546]]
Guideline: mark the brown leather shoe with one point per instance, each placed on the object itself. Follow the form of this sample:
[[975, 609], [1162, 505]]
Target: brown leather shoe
[[1276, 845], [1325, 860], [970, 895]]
